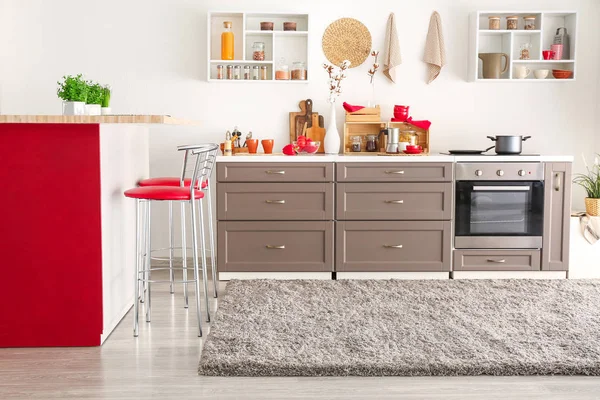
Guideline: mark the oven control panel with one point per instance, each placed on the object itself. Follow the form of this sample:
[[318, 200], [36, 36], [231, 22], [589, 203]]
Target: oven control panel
[[500, 171]]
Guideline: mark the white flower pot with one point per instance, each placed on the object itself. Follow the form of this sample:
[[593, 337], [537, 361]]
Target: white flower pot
[[93, 109], [106, 111], [74, 108], [332, 136]]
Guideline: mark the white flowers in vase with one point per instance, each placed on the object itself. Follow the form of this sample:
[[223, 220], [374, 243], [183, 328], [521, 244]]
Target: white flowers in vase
[[336, 76]]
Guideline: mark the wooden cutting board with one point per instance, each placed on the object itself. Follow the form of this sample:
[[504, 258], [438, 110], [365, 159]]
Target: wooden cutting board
[[316, 132], [305, 116]]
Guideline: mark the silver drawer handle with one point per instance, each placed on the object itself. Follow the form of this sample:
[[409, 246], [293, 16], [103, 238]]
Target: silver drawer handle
[[270, 246], [275, 201], [395, 172], [275, 172], [496, 261], [395, 201], [392, 246]]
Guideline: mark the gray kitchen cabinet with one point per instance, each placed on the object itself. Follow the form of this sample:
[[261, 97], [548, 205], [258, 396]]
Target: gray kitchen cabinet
[[557, 211], [398, 246], [275, 172], [275, 246], [275, 201], [394, 201], [496, 260], [394, 172]]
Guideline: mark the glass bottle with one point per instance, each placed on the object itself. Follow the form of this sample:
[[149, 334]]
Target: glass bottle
[[219, 72], [512, 22], [230, 72], [299, 71], [255, 75], [355, 145], [237, 72], [227, 42], [263, 73], [258, 51], [282, 72], [371, 143], [246, 72]]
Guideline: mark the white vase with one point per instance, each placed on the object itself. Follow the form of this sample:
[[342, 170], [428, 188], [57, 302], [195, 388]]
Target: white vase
[[93, 109], [332, 136], [372, 102], [106, 111], [73, 108]]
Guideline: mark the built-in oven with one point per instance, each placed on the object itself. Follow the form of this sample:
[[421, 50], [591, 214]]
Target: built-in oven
[[499, 205]]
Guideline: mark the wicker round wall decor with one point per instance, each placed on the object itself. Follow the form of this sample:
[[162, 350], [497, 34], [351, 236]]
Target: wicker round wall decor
[[347, 39]]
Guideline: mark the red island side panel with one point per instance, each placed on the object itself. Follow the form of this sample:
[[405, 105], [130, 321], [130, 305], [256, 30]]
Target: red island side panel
[[50, 236]]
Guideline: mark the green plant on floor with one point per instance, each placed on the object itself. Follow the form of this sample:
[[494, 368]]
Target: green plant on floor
[[590, 181], [95, 93], [106, 96], [72, 88]]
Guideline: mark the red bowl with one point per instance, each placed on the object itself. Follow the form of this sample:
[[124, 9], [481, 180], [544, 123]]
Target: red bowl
[[561, 73]]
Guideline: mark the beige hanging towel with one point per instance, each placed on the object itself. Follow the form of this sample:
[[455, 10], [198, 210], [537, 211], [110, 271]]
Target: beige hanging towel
[[435, 53], [392, 59]]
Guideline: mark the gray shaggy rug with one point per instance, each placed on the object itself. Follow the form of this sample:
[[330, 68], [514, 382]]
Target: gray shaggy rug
[[376, 328]]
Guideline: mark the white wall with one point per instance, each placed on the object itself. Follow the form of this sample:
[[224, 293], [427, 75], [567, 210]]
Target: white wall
[[153, 54]]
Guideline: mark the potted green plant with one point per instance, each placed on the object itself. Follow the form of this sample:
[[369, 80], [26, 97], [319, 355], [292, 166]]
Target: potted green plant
[[94, 98], [591, 183], [106, 100], [73, 90]]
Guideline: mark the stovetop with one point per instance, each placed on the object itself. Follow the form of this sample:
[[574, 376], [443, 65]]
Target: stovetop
[[494, 155]]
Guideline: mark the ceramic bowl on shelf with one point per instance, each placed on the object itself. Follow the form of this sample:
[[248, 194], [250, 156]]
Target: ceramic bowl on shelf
[[540, 73], [562, 73], [309, 148]]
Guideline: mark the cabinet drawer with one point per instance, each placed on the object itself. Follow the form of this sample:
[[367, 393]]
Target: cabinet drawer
[[497, 260], [394, 201], [275, 201], [275, 246], [419, 246], [275, 172], [394, 172]]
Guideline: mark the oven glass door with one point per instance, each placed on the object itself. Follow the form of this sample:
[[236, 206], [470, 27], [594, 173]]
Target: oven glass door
[[506, 208]]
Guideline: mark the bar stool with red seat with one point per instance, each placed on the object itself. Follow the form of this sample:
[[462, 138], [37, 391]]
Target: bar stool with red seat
[[176, 181], [202, 168]]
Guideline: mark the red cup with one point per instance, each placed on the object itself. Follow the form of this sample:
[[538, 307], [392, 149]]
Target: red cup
[[267, 145], [548, 54], [252, 145], [557, 49]]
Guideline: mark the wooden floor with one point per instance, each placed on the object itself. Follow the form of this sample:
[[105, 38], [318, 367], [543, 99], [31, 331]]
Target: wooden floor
[[161, 363]]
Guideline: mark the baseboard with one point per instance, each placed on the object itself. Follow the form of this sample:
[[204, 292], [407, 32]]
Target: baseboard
[[509, 275], [227, 276], [113, 324], [393, 275]]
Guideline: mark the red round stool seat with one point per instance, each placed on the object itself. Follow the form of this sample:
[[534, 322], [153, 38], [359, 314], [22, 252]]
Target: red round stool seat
[[162, 193], [168, 181]]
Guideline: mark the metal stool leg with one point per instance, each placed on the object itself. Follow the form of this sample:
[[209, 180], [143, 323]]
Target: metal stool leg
[[171, 245], [184, 256], [138, 263], [143, 237], [211, 233], [196, 273], [204, 273], [148, 261]]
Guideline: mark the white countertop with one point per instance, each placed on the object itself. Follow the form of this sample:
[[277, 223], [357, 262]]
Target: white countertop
[[387, 159]]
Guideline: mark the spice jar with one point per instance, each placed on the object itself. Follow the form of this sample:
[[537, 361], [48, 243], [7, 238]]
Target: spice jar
[[263, 73], [494, 22], [299, 71], [255, 72], [525, 51], [219, 72], [371, 143], [246, 72], [230, 72], [237, 72], [529, 23], [355, 143], [282, 72], [512, 22], [258, 51]]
